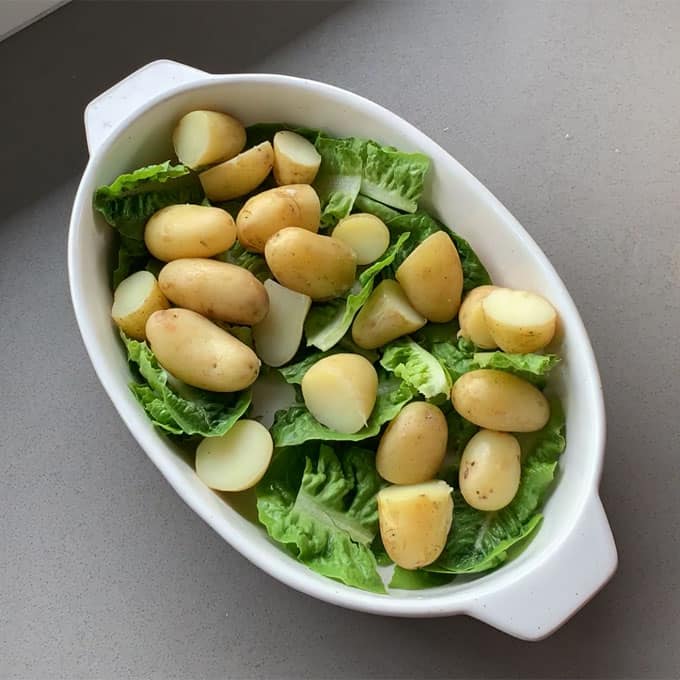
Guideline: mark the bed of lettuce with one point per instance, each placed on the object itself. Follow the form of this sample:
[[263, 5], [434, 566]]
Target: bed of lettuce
[[318, 497]]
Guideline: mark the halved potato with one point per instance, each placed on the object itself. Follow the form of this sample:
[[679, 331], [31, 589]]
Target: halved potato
[[519, 321], [238, 175], [296, 161], [135, 299], [366, 234], [205, 137], [471, 317]]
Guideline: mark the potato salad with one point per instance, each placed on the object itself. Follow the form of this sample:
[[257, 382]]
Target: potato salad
[[421, 442]]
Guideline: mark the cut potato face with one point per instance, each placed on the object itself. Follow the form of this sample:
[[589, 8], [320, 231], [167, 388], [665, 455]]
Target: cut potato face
[[239, 175], [501, 401], [340, 391], [367, 235], [277, 337], [178, 231], [387, 315], [432, 278], [296, 161], [519, 321], [413, 446], [415, 521], [237, 460], [473, 324], [490, 470], [205, 137], [134, 301]]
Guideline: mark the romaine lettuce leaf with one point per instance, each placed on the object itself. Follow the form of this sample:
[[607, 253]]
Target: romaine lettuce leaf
[[417, 579], [323, 509], [364, 204], [188, 411], [262, 132], [532, 367], [253, 262]]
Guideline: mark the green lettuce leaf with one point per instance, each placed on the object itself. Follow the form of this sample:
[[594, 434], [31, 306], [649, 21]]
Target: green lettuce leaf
[[323, 509], [364, 204], [378, 550], [478, 540], [417, 367], [293, 373], [262, 132], [181, 409], [327, 323], [253, 262], [417, 579]]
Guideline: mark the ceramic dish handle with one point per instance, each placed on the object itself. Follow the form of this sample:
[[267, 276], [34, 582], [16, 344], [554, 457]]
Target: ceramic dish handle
[[109, 108], [539, 602]]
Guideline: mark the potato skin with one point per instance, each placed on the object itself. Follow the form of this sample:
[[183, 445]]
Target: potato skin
[[179, 231], [288, 170], [218, 290], [134, 323], [473, 325], [413, 446], [270, 211], [319, 266], [501, 401], [432, 278], [200, 353]]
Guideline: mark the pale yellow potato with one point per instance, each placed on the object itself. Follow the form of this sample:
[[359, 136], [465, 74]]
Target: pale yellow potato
[[178, 231], [519, 321], [490, 470], [497, 400], [205, 137], [277, 337], [199, 353], [296, 161], [340, 391], [218, 290], [413, 446], [239, 175], [270, 211], [238, 459], [319, 266], [135, 299], [386, 315], [471, 317], [432, 278], [366, 234], [415, 521]]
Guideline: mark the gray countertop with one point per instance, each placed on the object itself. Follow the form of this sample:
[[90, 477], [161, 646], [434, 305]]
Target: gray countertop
[[567, 111]]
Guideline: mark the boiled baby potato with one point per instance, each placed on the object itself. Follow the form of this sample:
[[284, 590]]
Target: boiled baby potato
[[519, 321], [432, 278], [340, 391], [365, 234], [134, 301], [178, 231], [319, 266], [238, 459], [296, 161], [205, 137], [413, 446], [200, 353], [497, 400], [490, 469], [218, 290], [238, 175], [386, 315], [270, 211], [471, 317], [277, 337], [415, 521]]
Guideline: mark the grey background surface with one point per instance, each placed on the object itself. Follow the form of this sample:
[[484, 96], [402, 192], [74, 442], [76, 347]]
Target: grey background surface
[[568, 111]]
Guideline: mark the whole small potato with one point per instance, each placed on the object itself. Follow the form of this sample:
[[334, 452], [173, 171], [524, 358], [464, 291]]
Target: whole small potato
[[471, 317], [386, 315], [296, 160], [319, 266], [135, 299], [490, 470], [415, 521], [178, 231], [200, 353], [218, 290], [497, 400], [432, 278], [270, 211], [366, 234], [413, 446], [519, 321], [340, 391], [239, 175]]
